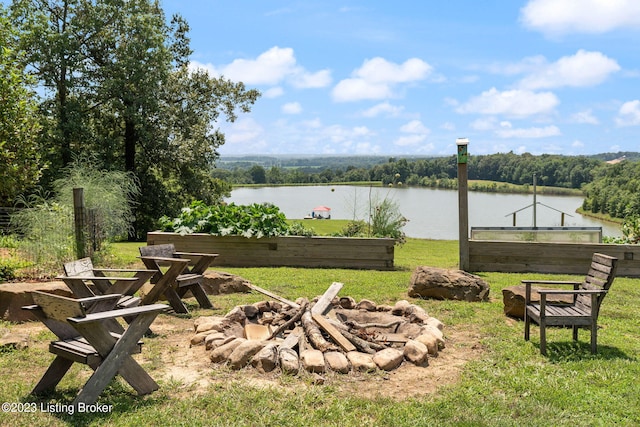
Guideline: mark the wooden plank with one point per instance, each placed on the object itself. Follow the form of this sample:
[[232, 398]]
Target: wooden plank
[[292, 339], [274, 296], [335, 334], [323, 303]]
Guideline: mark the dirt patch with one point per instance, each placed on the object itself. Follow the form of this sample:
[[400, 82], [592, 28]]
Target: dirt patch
[[170, 358]]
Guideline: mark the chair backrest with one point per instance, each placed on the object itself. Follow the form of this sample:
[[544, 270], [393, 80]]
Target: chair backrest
[[57, 307], [599, 277], [166, 250], [79, 268]]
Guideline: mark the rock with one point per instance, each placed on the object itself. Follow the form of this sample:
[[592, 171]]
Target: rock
[[430, 341], [416, 314], [416, 352], [432, 321], [312, 360], [388, 359], [236, 315], [513, 300], [209, 323], [14, 341], [367, 305], [242, 354], [219, 282], [337, 362], [223, 352], [410, 330], [215, 340], [251, 311], [13, 296], [347, 302], [444, 284], [266, 359], [268, 306], [289, 362], [361, 361], [400, 307], [384, 307]]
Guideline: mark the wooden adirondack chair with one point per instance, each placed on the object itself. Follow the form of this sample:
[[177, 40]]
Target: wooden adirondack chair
[[583, 312], [85, 280], [85, 335], [178, 278]]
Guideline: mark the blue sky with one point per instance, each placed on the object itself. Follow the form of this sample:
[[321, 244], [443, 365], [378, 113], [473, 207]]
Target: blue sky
[[409, 77]]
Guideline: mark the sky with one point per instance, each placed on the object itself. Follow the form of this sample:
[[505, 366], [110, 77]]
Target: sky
[[357, 77]]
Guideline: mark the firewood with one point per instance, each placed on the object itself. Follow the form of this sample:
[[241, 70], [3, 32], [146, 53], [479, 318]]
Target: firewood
[[291, 321], [356, 325], [323, 303], [334, 333], [275, 296], [314, 335]]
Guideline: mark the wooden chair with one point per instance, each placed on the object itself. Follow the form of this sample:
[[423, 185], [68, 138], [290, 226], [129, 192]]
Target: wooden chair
[[86, 281], [178, 278], [582, 312], [85, 335]]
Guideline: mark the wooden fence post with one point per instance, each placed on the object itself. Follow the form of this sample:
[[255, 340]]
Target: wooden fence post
[[79, 216], [463, 204]]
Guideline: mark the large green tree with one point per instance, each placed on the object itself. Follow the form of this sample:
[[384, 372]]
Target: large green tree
[[121, 89], [20, 164]]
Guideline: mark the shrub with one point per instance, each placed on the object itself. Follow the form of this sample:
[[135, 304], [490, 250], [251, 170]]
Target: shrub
[[298, 229], [259, 220]]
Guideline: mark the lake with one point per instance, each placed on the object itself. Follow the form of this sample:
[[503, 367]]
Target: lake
[[432, 213]]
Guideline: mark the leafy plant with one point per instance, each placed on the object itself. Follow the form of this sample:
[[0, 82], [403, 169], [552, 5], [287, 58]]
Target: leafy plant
[[256, 220], [387, 221], [298, 229], [354, 228]]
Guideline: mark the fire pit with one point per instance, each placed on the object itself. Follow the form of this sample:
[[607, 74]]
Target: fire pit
[[329, 333]]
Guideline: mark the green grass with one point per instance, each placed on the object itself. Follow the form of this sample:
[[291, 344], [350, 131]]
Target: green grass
[[512, 384]]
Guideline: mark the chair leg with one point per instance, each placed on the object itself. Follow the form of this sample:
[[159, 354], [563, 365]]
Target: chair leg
[[54, 374], [543, 337], [594, 338], [575, 332], [527, 325], [201, 296]]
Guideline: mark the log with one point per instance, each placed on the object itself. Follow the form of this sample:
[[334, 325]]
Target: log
[[291, 321], [314, 335], [335, 334]]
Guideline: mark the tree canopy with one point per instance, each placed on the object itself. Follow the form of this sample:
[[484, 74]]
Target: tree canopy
[[116, 84]]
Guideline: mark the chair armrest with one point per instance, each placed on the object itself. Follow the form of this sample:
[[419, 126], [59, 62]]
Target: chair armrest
[[123, 312], [571, 292], [125, 279], [194, 254], [164, 259], [550, 282]]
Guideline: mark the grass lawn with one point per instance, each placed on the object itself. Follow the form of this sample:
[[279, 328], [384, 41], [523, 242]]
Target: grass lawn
[[510, 385]]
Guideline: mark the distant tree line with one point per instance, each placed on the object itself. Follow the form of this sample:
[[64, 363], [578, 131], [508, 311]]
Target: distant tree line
[[609, 189]]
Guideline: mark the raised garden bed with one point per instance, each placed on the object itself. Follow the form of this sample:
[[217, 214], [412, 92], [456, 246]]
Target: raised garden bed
[[289, 251]]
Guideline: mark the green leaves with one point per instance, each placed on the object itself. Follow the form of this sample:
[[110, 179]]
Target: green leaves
[[256, 220]]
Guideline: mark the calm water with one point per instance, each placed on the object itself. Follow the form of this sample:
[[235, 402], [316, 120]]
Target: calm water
[[432, 213]]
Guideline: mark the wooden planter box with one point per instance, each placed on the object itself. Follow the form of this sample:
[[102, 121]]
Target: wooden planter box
[[290, 251], [560, 258]]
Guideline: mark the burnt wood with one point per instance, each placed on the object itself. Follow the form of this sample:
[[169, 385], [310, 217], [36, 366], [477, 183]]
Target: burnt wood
[[581, 312]]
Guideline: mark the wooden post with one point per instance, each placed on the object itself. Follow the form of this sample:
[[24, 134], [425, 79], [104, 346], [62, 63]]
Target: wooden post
[[463, 204], [79, 216]]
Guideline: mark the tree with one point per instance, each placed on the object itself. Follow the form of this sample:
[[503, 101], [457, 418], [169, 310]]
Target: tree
[[121, 88], [20, 163]]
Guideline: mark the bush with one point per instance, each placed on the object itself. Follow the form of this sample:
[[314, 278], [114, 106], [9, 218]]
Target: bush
[[298, 229], [259, 220]]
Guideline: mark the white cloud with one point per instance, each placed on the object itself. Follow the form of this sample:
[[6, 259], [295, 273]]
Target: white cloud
[[518, 103], [377, 78], [415, 131], [580, 16], [629, 114], [414, 126], [577, 144], [273, 92], [582, 69], [585, 117], [484, 124], [245, 134], [448, 126], [534, 132], [383, 108], [272, 67], [292, 108]]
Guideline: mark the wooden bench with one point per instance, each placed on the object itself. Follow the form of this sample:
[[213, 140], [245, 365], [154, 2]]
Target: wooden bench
[[581, 312], [179, 278], [86, 334]]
